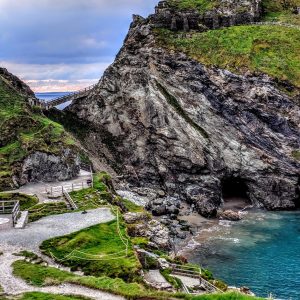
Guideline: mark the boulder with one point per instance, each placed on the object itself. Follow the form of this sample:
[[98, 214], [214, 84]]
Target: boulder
[[131, 218], [230, 215]]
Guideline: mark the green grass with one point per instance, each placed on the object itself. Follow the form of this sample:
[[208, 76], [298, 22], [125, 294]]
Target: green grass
[[281, 11], [174, 281], [40, 276], [24, 130], [26, 201], [132, 207], [41, 210], [102, 182], [101, 240], [201, 5], [296, 154], [225, 296], [90, 198], [274, 50], [47, 296]]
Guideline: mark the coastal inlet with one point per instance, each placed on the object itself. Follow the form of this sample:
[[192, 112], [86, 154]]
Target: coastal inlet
[[260, 252]]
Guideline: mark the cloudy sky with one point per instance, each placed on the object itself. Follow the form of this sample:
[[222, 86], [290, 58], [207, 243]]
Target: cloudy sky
[[64, 45]]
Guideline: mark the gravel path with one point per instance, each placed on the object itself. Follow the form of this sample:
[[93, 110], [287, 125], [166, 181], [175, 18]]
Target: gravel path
[[188, 281], [155, 279], [13, 241], [14, 286], [52, 226], [39, 188]]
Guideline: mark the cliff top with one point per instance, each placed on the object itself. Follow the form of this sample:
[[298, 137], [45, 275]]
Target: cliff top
[[24, 130], [15, 83]]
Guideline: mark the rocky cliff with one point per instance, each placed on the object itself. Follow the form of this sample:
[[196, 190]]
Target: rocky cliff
[[32, 147], [187, 15], [165, 121]]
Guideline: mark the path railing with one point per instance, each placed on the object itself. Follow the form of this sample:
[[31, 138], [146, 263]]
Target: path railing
[[57, 191], [189, 271], [194, 272], [70, 200], [70, 97], [11, 207], [15, 213], [7, 206]]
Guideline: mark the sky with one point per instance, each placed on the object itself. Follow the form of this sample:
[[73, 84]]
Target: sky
[[64, 45]]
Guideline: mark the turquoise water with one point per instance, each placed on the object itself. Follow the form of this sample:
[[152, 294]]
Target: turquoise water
[[261, 252]]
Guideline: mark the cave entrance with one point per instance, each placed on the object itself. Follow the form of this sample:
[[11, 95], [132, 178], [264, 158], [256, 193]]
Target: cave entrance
[[235, 193]]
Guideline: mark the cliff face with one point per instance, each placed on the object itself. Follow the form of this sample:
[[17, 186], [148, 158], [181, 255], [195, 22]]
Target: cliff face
[[32, 148], [174, 15], [166, 121]]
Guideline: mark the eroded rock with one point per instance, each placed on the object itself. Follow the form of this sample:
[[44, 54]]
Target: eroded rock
[[167, 122]]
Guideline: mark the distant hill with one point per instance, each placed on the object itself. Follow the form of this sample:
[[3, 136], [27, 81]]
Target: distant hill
[[32, 147]]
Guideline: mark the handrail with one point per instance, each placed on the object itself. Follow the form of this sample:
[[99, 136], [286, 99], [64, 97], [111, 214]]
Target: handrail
[[70, 200], [69, 187], [15, 212], [195, 272], [65, 98]]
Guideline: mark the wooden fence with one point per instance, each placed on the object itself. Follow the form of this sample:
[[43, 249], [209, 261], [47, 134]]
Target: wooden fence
[[57, 191], [70, 200], [11, 207], [194, 272]]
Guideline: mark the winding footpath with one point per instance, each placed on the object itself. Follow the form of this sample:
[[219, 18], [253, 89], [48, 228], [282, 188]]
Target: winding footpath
[[15, 286], [35, 233], [13, 241]]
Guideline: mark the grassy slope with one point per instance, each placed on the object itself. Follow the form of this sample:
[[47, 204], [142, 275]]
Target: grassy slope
[[47, 296], [101, 240], [274, 50], [41, 276], [275, 10], [26, 201], [200, 5], [23, 131]]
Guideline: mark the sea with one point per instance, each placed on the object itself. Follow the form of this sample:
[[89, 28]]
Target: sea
[[261, 252], [52, 95]]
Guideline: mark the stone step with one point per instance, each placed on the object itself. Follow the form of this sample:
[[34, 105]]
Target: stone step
[[22, 221]]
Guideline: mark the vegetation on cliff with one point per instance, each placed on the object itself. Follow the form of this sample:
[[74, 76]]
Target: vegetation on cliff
[[40, 276], [271, 8], [281, 11], [100, 241], [26, 201], [24, 131], [200, 5], [273, 50]]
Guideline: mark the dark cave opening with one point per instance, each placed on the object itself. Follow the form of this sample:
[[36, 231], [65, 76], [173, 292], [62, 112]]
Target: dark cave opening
[[29, 175], [235, 193]]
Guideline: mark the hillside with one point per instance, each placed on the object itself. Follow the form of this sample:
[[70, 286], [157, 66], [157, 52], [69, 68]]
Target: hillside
[[269, 49], [178, 122], [271, 46], [32, 147]]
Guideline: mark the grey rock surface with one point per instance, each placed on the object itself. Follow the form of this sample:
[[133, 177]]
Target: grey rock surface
[[167, 122], [157, 233], [226, 13], [40, 166]]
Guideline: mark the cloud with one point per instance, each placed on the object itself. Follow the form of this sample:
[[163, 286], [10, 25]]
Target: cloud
[[60, 77], [42, 86], [64, 39], [116, 7]]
